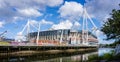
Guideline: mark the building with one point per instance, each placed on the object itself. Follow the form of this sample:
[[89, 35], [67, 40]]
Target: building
[[64, 36]]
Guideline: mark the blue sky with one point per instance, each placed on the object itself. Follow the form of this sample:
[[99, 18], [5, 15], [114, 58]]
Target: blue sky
[[53, 14]]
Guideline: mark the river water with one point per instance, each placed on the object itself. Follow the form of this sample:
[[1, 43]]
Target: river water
[[63, 57]]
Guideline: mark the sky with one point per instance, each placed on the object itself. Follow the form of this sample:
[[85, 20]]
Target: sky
[[53, 14]]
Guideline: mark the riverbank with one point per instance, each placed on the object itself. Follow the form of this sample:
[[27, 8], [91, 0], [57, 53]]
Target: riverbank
[[107, 57], [32, 52]]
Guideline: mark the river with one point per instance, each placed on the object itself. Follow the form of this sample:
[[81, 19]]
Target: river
[[63, 57]]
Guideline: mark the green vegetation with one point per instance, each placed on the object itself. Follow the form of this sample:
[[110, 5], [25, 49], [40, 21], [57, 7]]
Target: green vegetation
[[112, 26], [107, 57], [94, 57], [113, 44], [4, 43]]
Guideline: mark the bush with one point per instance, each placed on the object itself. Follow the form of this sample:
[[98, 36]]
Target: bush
[[108, 56]]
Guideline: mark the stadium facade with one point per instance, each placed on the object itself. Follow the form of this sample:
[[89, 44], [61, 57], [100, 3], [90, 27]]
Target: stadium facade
[[64, 36]]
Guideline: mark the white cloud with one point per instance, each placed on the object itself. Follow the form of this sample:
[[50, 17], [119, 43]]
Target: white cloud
[[98, 33], [16, 18], [63, 25], [45, 22], [29, 12], [20, 37], [50, 3], [54, 2], [76, 25], [20, 33], [33, 22], [71, 10], [1, 23], [24, 8], [101, 9]]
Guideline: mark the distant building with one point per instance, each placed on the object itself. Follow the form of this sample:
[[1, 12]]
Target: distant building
[[66, 36]]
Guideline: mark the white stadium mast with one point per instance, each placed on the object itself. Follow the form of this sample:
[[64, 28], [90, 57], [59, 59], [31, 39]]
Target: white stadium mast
[[37, 40], [27, 29], [85, 29]]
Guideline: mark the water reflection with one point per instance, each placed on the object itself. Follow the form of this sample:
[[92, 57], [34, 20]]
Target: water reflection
[[102, 51], [74, 58], [62, 57]]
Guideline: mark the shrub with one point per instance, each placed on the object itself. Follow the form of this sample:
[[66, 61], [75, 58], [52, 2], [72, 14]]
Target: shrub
[[108, 56]]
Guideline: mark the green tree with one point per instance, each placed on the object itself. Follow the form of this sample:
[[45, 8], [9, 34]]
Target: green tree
[[112, 26]]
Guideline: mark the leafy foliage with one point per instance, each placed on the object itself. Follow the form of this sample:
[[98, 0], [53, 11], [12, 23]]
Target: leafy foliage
[[112, 26]]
